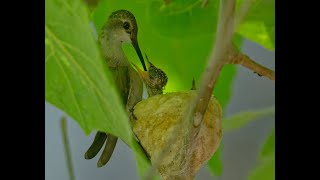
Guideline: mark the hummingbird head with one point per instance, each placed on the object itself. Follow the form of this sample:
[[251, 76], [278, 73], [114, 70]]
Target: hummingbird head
[[154, 79], [122, 28]]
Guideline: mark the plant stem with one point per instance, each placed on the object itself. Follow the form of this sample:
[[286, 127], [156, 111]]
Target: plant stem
[[217, 59], [245, 61], [63, 124], [223, 53]]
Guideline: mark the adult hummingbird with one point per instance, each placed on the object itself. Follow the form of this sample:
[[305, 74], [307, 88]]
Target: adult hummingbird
[[121, 27]]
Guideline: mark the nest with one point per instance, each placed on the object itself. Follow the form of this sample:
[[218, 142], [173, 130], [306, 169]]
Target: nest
[[170, 140]]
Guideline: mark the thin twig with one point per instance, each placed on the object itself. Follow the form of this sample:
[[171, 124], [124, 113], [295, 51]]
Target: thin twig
[[63, 124], [244, 60]]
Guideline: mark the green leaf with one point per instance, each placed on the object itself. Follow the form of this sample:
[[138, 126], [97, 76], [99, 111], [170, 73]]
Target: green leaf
[[266, 167], [235, 122], [264, 171], [243, 118], [268, 148], [215, 163], [258, 24]]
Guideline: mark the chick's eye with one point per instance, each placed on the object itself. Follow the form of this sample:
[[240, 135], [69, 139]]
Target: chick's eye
[[126, 25]]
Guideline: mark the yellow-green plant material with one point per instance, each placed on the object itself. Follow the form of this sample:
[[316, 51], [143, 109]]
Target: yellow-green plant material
[[161, 117]]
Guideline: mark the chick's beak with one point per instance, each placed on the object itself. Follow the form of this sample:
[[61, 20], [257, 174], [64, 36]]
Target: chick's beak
[[143, 74]]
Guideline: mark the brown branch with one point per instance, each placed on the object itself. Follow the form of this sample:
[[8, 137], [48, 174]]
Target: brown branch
[[203, 101], [217, 59], [244, 60]]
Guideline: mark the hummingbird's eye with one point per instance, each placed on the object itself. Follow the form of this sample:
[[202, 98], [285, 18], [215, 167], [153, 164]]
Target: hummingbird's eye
[[126, 25]]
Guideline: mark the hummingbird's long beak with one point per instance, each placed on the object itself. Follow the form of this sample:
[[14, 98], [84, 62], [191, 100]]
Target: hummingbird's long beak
[[137, 48]]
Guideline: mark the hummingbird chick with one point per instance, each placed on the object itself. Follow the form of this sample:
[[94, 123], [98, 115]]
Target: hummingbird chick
[[155, 79]]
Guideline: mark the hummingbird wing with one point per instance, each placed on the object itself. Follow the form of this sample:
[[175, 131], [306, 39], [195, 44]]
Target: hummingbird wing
[[130, 88], [135, 91], [122, 82]]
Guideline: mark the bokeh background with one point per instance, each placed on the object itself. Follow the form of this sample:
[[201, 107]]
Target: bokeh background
[[240, 151]]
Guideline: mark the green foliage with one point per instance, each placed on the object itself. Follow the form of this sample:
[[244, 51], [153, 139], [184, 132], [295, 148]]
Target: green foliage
[[232, 123], [266, 168], [77, 80], [265, 171], [243, 118], [258, 24], [268, 148], [215, 163]]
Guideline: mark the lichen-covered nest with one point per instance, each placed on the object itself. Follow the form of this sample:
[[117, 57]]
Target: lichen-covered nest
[[161, 116]]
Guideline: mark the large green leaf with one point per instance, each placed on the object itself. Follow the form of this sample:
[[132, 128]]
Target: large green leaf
[[77, 80], [266, 167], [258, 25]]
